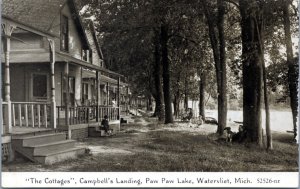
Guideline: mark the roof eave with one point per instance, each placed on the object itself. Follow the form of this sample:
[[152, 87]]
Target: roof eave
[[78, 23], [27, 28]]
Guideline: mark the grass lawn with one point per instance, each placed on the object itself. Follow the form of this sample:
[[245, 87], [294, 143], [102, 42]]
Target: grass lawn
[[152, 147]]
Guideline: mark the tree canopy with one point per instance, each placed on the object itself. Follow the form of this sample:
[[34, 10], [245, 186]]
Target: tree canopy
[[178, 50]]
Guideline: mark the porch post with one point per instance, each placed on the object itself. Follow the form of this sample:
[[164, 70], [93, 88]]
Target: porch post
[[97, 95], [107, 97], [52, 84], [119, 111], [8, 29], [127, 100], [67, 100]]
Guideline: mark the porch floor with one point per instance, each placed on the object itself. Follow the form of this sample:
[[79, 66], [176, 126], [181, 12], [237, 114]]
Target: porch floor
[[25, 130]]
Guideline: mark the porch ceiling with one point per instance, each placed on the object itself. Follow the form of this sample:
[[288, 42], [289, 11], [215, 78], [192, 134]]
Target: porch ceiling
[[36, 56], [103, 78], [66, 58]]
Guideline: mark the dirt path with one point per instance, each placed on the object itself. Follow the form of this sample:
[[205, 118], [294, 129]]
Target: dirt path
[[141, 142]]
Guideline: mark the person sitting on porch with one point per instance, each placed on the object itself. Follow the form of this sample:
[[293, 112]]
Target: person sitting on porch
[[105, 124]]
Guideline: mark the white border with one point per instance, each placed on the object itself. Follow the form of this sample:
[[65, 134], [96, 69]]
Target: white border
[[142, 179]]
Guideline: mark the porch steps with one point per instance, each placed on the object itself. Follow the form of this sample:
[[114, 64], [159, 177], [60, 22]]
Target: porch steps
[[53, 157], [40, 139], [34, 133], [37, 150], [46, 148]]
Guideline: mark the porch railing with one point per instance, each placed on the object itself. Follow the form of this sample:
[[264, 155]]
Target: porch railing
[[30, 114], [123, 108], [77, 115], [85, 114], [110, 111]]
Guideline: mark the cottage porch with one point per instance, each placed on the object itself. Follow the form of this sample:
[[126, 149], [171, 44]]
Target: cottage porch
[[54, 107]]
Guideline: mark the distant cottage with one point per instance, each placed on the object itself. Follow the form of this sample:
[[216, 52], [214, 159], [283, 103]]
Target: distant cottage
[[54, 79]]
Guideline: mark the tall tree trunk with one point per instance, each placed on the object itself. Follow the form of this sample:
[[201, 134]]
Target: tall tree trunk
[[218, 47], [252, 72], [166, 74], [202, 95], [177, 97], [159, 111], [267, 109], [222, 89], [186, 93], [155, 109], [259, 22], [292, 72], [176, 106]]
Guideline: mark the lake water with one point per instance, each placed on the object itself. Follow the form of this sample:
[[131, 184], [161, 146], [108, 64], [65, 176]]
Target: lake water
[[280, 120]]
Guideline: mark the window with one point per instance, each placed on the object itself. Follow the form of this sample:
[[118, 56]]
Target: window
[[84, 55], [87, 55], [39, 86], [91, 56], [64, 34]]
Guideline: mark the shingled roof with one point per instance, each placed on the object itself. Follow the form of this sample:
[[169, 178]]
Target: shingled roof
[[37, 14], [40, 14]]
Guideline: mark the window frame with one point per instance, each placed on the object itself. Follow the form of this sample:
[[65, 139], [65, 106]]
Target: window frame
[[39, 98]]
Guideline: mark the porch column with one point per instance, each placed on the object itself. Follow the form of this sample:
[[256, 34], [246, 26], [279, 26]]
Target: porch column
[[99, 89], [67, 99], [127, 100], [97, 95], [8, 29], [78, 81], [107, 97], [118, 100], [52, 84]]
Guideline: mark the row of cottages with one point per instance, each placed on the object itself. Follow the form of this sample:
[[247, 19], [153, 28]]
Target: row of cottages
[[54, 79]]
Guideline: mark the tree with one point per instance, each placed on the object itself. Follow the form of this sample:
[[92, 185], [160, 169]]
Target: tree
[[252, 70], [259, 24], [292, 65], [166, 72], [216, 34], [159, 108]]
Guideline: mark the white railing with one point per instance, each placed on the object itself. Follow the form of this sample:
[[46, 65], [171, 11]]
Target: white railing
[[84, 114], [110, 111], [30, 114]]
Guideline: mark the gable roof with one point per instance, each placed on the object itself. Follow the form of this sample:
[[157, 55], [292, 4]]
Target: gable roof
[[40, 14], [37, 14], [93, 39]]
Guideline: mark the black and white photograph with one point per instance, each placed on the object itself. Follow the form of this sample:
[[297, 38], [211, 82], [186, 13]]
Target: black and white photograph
[[149, 93]]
